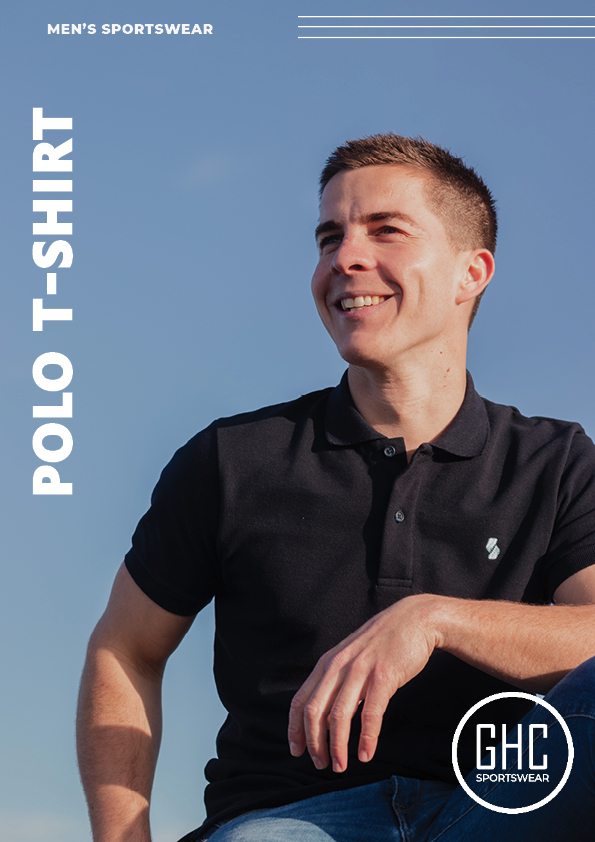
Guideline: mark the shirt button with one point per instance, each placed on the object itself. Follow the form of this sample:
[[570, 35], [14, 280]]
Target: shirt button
[[399, 516], [389, 451]]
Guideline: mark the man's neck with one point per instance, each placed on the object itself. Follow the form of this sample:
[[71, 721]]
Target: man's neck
[[408, 402]]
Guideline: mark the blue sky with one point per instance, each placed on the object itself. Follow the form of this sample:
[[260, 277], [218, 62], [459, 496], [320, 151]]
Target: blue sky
[[195, 168]]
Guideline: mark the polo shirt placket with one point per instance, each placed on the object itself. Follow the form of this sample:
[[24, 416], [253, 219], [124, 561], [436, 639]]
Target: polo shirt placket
[[396, 567], [410, 483]]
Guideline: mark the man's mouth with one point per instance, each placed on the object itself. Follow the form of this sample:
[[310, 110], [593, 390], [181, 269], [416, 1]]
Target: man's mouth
[[361, 301]]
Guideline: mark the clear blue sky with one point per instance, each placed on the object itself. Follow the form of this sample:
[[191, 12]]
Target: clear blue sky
[[195, 167]]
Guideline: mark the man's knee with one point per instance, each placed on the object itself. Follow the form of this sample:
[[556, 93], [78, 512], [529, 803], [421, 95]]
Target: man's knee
[[251, 828], [575, 689]]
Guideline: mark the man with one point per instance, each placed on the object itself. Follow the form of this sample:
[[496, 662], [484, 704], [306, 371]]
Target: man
[[383, 555]]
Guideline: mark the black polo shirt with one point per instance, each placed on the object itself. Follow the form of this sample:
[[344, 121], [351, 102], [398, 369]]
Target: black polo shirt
[[304, 522]]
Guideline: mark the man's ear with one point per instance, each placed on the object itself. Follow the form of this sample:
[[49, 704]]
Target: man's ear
[[479, 271]]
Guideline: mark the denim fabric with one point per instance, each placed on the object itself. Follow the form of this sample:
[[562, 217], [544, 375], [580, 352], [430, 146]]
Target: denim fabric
[[408, 810]]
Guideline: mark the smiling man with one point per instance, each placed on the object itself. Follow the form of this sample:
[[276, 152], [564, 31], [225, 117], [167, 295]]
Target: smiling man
[[383, 555]]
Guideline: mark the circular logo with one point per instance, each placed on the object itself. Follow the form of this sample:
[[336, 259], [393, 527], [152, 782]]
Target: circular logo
[[455, 745]]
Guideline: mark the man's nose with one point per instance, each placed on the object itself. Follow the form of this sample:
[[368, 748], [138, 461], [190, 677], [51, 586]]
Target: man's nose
[[353, 255]]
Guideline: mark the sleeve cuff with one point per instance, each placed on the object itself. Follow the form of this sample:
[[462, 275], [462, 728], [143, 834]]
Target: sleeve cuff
[[157, 592], [568, 566]]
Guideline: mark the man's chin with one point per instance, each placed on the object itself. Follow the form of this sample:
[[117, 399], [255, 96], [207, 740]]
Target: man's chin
[[361, 358]]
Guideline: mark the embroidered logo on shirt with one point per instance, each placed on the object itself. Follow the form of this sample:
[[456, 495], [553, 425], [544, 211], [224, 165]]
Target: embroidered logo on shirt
[[493, 549]]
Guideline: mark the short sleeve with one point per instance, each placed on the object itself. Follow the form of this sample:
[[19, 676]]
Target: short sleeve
[[173, 557], [572, 547]]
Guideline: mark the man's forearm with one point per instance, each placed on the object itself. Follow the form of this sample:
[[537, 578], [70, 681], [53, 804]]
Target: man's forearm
[[118, 736], [530, 646]]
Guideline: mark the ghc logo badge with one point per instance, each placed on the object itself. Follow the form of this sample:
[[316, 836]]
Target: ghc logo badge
[[504, 745], [519, 763]]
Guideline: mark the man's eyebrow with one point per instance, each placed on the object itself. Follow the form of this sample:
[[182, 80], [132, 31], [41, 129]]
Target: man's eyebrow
[[378, 216], [329, 225], [382, 215]]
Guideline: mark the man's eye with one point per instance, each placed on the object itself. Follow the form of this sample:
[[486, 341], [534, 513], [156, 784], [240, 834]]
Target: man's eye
[[329, 240]]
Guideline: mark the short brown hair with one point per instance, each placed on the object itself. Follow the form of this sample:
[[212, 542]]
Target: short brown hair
[[458, 195]]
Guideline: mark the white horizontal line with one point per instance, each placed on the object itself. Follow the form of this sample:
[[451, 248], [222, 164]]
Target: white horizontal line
[[449, 17], [446, 37], [444, 26]]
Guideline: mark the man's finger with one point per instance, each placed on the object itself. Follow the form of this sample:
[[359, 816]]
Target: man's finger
[[373, 709], [315, 728], [340, 718], [296, 733], [317, 711], [295, 730]]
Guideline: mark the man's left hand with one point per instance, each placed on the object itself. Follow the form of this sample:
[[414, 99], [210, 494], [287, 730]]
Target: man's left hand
[[367, 667]]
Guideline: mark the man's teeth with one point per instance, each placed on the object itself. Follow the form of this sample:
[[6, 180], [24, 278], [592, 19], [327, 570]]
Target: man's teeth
[[361, 301]]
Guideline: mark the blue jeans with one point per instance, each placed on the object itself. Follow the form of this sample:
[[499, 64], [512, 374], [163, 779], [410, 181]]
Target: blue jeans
[[408, 810]]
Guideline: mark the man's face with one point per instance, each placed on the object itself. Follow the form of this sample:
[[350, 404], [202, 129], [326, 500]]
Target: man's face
[[387, 279]]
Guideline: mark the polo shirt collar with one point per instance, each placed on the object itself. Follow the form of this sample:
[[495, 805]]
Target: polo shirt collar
[[467, 433], [344, 423], [465, 436]]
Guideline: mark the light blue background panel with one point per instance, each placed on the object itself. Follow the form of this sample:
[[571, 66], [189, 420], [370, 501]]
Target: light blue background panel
[[194, 203]]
